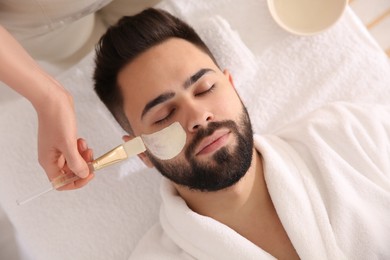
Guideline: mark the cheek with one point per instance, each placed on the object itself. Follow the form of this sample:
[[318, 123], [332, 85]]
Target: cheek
[[228, 105]]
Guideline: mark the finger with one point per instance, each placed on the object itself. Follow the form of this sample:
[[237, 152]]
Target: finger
[[75, 161], [61, 161], [87, 155], [82, 182], [53, 164], [82, 145], [77, 184]]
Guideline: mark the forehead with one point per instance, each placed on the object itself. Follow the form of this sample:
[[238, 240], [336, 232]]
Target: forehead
[[160, 69]]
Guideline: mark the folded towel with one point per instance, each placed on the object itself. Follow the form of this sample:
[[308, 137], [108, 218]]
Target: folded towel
[[299, 74], [240, 61], [295, 74]]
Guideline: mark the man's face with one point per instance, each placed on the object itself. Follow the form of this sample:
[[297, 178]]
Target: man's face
[[175, 81]]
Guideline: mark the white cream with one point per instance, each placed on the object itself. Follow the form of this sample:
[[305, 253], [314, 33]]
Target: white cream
[[166, 143]]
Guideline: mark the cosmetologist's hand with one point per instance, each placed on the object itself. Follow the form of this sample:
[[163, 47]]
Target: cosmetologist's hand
[[87, 155], [59, 150], [57, 134]]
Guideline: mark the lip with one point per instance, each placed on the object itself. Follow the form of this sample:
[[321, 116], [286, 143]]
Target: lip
[[212, 142]]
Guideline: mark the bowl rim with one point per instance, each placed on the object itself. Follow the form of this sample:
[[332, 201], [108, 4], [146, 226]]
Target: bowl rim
[[276, 18]]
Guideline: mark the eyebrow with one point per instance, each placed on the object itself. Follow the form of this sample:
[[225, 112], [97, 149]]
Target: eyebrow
[[194, 78], [168, 95]]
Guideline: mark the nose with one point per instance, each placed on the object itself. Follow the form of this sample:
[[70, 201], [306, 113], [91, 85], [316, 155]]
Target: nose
[[197, 117]]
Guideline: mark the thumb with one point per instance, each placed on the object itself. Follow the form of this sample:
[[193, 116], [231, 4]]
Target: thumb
[[75, 161]]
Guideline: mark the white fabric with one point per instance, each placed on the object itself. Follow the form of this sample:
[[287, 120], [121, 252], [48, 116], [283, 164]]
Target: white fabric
[[328, 176], [63, 31], [51, 29], [338, 185], [105, 220], [296, 74]]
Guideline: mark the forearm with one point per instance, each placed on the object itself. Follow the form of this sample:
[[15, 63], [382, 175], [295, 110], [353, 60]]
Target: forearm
[[57, 131], [19, 71]]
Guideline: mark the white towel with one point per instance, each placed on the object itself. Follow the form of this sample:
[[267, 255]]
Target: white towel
[[297, 74], [229, 50], [106, 219]]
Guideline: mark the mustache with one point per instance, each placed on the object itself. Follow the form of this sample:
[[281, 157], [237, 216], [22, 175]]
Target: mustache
[[204, 132]]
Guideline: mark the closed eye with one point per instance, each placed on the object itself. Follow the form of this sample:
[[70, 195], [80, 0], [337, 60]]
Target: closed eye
[[166, 118], [207, 91]]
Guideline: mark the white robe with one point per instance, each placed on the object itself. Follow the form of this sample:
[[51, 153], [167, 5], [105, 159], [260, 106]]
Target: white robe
[[328, 176]]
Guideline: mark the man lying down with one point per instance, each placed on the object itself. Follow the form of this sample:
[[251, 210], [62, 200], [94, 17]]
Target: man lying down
[[317, 189]]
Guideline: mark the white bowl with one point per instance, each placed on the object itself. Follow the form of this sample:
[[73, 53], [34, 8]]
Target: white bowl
[[306, 17]]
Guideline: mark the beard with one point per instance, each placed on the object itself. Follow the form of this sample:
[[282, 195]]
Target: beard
[[226, 166]]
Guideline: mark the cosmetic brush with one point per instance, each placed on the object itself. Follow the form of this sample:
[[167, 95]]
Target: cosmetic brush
[[164, 144], [118, 154]]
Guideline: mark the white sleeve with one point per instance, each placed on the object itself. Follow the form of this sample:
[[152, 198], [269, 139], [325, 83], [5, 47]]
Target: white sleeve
[[359, 134]]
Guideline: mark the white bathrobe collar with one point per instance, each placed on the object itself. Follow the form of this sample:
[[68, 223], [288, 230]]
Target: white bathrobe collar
[[296, 200], [307, 227]]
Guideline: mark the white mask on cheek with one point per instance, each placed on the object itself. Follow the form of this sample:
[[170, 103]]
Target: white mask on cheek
[[166, 143]]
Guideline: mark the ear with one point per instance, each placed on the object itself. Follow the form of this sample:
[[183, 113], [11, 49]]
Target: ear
[[229, 77], [144, 158]]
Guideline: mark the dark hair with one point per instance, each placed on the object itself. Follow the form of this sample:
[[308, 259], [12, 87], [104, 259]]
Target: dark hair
[[123, 42]]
